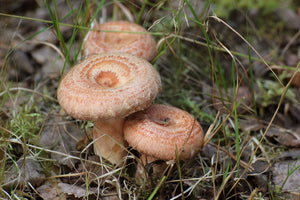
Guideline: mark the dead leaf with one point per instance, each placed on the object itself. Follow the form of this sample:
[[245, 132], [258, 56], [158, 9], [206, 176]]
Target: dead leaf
[[287, 137], [22, 63], [50, 191], [86, 166], [76, 191], [250, 124], [280, 173], [61, 137], [290, 155], [93, 168], [26, 170]]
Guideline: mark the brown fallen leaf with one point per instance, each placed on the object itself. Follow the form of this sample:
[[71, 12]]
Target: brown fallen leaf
[[289, 171], [26, 170], [250, 124], [22, 63], [61, 137], [76, 191], [290, 155], [50, 191], [287, 137]]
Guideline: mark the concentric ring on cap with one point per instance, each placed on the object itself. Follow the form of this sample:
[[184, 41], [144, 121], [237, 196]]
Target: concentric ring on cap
[[160, 129], [106, 86]]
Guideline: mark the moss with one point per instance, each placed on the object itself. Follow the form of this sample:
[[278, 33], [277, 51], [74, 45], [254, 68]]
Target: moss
[[223, 8]]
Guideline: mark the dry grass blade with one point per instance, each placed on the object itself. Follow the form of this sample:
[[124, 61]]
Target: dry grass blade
[[234, 70], [258, 54]]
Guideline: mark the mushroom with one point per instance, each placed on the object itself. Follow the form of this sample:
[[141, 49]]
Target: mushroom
[[121, 36], [106, 88], [164, 132]]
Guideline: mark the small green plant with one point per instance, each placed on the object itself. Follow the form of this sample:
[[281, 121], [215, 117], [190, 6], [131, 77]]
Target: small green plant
[[272, 90], [290, 171], [26, 122]]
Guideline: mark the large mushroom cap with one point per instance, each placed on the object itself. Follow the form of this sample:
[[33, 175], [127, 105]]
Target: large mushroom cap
[[160, 129], [130, 41], [108, 86]]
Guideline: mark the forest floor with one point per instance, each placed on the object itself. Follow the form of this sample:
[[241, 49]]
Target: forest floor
[[235, 67]]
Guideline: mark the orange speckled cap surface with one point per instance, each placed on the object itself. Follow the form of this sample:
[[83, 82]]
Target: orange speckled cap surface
[[130, 41], [107, 86], [157, 131]]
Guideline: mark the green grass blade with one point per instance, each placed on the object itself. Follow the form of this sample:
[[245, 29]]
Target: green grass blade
[[157, 188], [97, 11], [142, 10]]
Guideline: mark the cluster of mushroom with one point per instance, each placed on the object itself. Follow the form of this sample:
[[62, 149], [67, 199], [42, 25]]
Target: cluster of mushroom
[[115, 86]]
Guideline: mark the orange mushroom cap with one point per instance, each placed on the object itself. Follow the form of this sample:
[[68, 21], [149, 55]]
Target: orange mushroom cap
[[160, 129], [108, 86], [141, 45]]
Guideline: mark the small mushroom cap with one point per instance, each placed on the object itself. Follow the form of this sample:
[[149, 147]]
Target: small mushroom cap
[[160, 129], [130, 41], [108, 86]]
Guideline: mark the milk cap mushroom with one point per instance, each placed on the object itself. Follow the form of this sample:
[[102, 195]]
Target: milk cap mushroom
[[106, 88], [161, 129], [126, 38]]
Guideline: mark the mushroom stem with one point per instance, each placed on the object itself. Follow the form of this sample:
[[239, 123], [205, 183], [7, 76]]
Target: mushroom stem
[[109, 140], [106, 88]]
